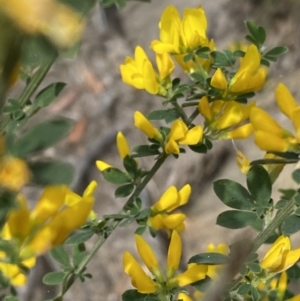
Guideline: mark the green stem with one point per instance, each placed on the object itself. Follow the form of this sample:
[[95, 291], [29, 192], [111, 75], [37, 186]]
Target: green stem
[[190, 104], [193, 115], [181, 111], [32, 86], [286, 211], [114, 224]]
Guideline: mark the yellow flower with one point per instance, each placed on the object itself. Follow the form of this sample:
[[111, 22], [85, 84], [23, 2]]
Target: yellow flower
[[269, 135], [143, 124], [139, 72], [184, 297], [180, 36], [250, 76], [219, 80], [226, 119], [58, 22], [169, 201], [123, 149], [14, 274], [58, 212], [14, 173], [280, 257], [180, 134], [123, 146], [163, 282]]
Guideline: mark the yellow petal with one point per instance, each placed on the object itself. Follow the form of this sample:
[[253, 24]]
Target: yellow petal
[[150, 78], [296, 122], [156, 221], [49, 203], [262, 121], [101, 165], [289, 260], [242, 132], [122, 145], [184, 297], [178, 130], [172, 147], [146, 253], [243, 162], [192, 274], [231, 116], [167, 200], [143, 124], [174, 252], [282, 285], [165, 65], [173, 221], [193, 136], [184, 194], [270, 142], [89, 191], [285, 100], [219, 80], [139, 278], [204, 108]]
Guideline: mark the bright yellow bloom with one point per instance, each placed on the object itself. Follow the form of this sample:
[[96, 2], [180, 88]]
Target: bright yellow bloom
[[180, 36], [164, 282], [58, 22], [219, 80], [280, 257], [139, 72], [269, 135], [250, 76], [226, 119], [14, 173], [180, 134], [58, 212], [123, 149], [169, 201], [123, 146], [184, 297], [143, 124]]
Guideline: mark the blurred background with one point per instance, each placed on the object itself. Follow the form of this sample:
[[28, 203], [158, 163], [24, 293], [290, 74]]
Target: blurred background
[[101, 105]]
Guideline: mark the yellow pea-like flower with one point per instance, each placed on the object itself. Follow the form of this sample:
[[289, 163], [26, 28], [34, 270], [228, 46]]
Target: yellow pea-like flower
[[219, 80]]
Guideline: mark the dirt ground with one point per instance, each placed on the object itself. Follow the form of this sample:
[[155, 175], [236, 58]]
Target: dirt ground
[[100, 104]]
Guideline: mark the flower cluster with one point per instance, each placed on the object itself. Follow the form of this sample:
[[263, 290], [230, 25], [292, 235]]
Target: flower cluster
[[58, 212]]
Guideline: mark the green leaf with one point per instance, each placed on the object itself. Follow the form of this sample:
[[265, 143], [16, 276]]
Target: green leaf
[[60, 254], [115, 176], [203, 284], [199, 148], [51, 173], [250, 39], [265, 62], [7, 202], [296, 176], [79, 237], [259, 184], [167, 115], [130, 166], [244, 289], [254, 293], [145, 150], [54, 278], [233, 194], [11, 298], [48, 94], [134, 295], [261, 35], [220, 59], [81, 6], [253, 30], [78, 253], [209, 258], [254, 267], [42, 136], [140, 230], [188, 57], [144, 213], [234, 219], [124, 191], [291, 225], [239, 53], [277, 51]]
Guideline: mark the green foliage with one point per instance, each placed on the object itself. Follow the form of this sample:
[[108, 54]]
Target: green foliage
[[210, 258], [234, 219], [115, 176], [134, 295], [60, 255], [124, 191], [291, 225], [54, 278], [80, 237], [168, 115], [296, 176], [259, 184], [42, 136], [51, 173], [233, 194]]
